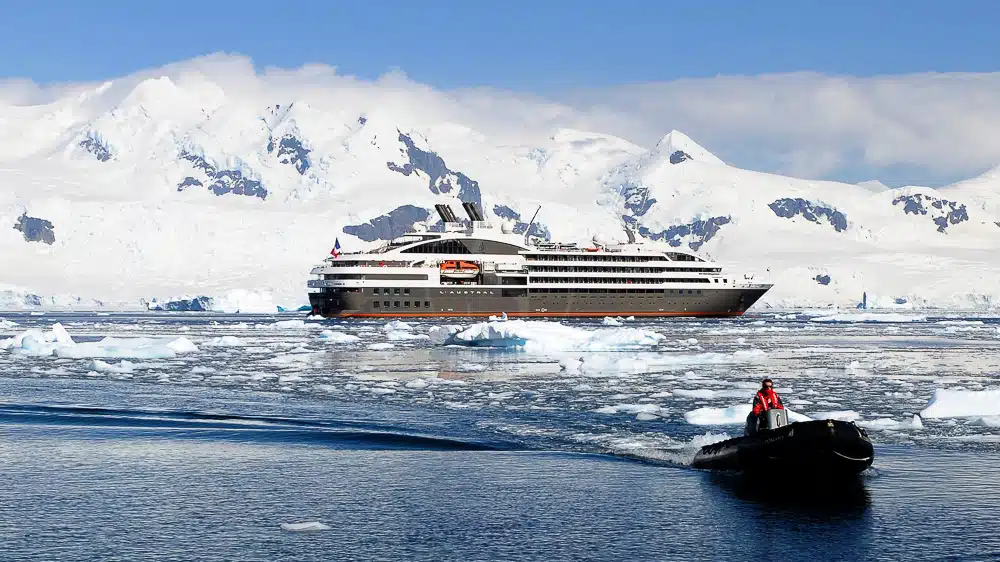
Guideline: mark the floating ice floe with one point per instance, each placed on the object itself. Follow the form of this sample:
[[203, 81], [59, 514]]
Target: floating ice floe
[[396, 326], [225, 341], [534, 335], [7, 324], [604, 362], [403, 335], [609, 321], [962, 404], [309, 526], [337, 337], [288, 325], [380, 346], [707, 394], [58, 342], [869, 317], [911, 424], [123, 367], [733, 415], [649, 409]]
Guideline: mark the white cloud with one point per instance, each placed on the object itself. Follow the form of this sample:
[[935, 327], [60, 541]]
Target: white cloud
[[814, 125], [918, 128]]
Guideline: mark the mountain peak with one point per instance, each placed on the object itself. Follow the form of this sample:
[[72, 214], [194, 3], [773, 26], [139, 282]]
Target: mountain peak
[[679, 147]]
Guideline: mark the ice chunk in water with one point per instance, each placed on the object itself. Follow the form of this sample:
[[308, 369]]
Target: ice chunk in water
[[609, 321], [869, 317], [733, 415], [550, 336], [225, 341], [309, 526], [396, 325], [401, 335], [337, 337], [102, 367], [962, 403], [182, 345], [289, 325], [7, 324], [380, 346], [888, 423]]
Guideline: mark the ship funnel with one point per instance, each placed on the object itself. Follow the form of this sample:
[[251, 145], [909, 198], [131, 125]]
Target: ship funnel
[[473, 212], [446, 214]]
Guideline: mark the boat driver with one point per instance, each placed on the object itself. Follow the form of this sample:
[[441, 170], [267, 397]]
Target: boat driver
[[765, 399]]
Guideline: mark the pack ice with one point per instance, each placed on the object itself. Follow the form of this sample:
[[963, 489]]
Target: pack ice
[[57, 341], [538, 336]]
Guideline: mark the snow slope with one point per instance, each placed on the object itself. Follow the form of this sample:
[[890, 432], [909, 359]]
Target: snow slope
[[176, 182]]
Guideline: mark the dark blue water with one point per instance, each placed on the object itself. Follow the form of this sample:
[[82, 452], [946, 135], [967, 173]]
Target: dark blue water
[[113, 470]]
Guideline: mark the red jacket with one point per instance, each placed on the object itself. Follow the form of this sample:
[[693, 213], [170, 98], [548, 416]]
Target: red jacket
[[766, 400]]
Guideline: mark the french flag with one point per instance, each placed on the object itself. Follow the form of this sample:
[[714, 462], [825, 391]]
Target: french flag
[[335, 252]]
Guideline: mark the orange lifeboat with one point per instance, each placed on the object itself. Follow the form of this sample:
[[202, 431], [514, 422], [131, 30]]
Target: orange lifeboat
[[454, 269]]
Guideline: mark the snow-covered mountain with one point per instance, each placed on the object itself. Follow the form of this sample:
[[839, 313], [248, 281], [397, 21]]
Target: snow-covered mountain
[[174, 183]]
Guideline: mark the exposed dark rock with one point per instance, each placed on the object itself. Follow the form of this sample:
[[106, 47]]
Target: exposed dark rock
[[822, 279], [221, 181], [700, 231], [789, 208], [537, 229], [394, 224], [440, 178], [35, 229], [637, 198], [679, 156], [96, 147], [949, 212], [362, 120], [291, 151]]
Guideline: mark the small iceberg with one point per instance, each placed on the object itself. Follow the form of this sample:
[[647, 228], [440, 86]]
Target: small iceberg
[[306, 527]]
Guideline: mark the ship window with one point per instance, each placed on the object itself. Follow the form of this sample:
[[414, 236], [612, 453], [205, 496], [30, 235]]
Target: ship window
[[699, 291], [385, 304], [416, 304], [375, 304], [395, 304], [427, 304], [375, 291], [395, 291], [690, 292], [406, 291], [406, 304]]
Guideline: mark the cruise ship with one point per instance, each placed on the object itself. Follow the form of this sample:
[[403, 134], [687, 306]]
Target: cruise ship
[[474, 269]]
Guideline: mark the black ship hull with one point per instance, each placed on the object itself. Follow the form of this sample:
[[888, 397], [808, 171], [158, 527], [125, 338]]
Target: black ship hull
[[828, 448], [477, 300]]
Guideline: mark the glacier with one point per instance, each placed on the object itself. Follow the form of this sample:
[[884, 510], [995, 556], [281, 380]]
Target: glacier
[[174, 181]]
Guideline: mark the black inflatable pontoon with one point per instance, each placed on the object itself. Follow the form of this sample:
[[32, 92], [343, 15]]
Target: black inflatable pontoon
[[803, 449]]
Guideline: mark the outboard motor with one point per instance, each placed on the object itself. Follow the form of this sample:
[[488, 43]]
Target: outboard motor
[[773, 419]]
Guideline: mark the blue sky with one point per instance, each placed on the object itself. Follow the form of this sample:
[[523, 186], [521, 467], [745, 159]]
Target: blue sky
[[537, 46]]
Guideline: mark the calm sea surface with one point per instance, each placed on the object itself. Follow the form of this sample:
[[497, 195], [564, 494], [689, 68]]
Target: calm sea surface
[[423, 452]]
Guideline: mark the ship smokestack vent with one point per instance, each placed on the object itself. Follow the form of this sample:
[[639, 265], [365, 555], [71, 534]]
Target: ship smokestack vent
[[473, 212]]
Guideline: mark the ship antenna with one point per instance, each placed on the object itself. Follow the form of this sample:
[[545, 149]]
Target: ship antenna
[[527, 231]]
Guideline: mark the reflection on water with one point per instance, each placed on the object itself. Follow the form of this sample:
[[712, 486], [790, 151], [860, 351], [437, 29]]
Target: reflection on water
[[846, 497]]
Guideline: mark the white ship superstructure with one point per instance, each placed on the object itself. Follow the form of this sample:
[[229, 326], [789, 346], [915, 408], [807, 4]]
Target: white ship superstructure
[[474, 269]]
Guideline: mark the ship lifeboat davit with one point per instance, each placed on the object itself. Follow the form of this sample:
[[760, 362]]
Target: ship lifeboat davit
[[454, 269], [822, 448]]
